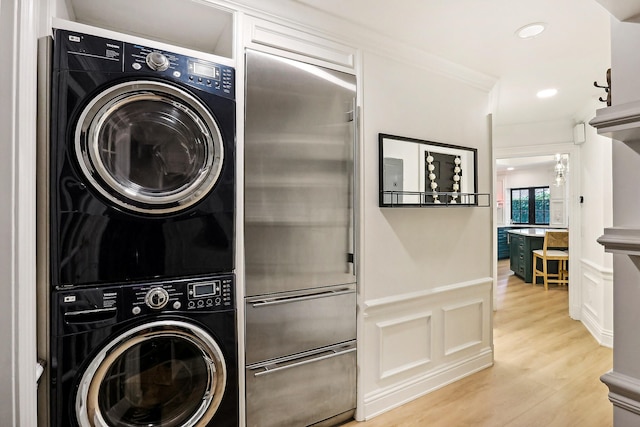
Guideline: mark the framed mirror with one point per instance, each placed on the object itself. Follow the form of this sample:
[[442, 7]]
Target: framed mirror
[[416, 172]]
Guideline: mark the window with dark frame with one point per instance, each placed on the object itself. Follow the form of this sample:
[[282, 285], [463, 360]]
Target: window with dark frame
[[530, 205]]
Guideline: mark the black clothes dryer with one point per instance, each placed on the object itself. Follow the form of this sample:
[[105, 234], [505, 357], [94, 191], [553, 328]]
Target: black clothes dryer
[[145, 354], [141, 163]]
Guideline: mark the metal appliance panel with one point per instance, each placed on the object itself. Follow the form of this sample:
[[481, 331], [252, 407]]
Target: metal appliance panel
[[279, 393], [299, 148], [293, 322]]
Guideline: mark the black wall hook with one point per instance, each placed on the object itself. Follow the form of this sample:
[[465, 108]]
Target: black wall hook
[[606, 88]]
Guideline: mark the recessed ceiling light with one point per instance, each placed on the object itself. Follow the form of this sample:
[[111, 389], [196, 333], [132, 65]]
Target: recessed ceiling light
[[511, 168], [547, 93], [531, 30]]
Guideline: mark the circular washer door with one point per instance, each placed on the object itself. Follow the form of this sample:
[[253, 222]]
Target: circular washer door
[[149, 147], [164, 373]]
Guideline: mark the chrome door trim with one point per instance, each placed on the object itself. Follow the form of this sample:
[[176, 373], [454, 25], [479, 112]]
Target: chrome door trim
[[101, 106], [88, 388], [303, 295], [304, 359]]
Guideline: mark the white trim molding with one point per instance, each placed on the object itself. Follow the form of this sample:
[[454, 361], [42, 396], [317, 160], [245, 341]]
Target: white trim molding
[[18, 97], [624, 391], [621, 240], [620, 122]]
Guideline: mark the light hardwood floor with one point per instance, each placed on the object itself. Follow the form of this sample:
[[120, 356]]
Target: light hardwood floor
[[546, 372]]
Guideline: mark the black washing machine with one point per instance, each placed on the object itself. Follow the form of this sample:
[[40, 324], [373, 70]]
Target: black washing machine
[[145, 354], [141, 163]]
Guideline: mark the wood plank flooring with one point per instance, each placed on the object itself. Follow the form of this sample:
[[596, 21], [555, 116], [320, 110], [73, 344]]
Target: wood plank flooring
[[546, 372]]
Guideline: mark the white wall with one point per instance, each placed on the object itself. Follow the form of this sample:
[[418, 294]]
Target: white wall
[[596, 172], [530, 134], [597, 214], [425, 282], [530, 177]]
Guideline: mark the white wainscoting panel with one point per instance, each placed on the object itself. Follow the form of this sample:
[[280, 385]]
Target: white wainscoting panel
[[463, 326], [413, 335], [596, 311], [415, 343]]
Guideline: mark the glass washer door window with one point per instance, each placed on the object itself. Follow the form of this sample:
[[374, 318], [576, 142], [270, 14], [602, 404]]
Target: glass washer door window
[[149, 146], [164, 373]]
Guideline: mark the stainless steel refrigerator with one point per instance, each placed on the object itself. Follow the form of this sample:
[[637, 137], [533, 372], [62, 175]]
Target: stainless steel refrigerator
[[300, 133]]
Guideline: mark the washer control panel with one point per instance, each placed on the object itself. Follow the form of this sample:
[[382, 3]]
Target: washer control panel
[[82, 308], [203, 294]]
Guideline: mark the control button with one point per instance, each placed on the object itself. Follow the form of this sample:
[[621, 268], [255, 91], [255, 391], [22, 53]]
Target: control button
[[136, 310], [199, 79], [176, 74], [191, 78], [191, 304], [217, 301], [156, 298], [209, 302], [177, 305], [136, 66], [200, 303], [209, 82], [157, 61]]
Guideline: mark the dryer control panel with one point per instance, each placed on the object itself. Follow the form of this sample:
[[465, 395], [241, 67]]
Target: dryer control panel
[[88, 52]]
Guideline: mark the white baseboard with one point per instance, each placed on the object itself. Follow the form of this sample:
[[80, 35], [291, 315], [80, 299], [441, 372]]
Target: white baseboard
[[603, 336], [397, 395]]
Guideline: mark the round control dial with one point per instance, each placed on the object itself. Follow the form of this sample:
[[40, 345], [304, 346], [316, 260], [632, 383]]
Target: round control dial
[[157, 61], [156, 298]]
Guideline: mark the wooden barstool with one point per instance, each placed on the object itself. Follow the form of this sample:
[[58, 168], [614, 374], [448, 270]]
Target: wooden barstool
[[554, 248]]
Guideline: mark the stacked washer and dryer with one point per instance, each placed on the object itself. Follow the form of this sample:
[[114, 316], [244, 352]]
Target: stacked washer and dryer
[[141, 232]]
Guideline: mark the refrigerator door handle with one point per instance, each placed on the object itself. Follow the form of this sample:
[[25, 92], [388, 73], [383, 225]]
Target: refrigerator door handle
[[283, 300], [354, 186], [266, 369]]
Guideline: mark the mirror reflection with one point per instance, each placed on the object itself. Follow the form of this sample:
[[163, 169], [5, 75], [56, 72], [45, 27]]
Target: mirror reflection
[[416, 172]]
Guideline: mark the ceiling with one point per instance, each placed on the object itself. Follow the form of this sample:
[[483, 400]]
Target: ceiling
[[570, 55]]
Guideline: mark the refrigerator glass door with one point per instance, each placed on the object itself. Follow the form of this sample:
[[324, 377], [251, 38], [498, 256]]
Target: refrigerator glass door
[[299, 157]]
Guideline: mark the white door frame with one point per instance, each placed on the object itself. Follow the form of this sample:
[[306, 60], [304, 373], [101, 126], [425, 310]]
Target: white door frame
[[18, 97]]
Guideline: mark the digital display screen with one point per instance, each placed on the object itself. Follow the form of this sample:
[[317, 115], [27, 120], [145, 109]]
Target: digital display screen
[[204, 289], [204, 70]]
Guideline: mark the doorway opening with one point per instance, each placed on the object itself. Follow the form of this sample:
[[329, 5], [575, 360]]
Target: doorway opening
[[534, 190]]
